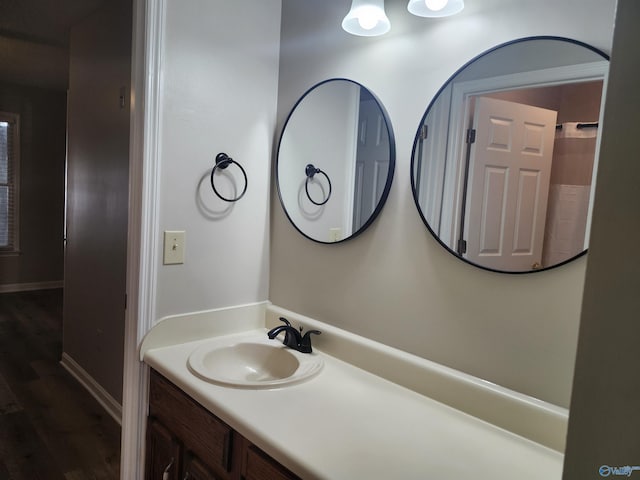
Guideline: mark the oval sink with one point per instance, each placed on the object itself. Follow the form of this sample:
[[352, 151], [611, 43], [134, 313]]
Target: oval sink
[[252, 364]]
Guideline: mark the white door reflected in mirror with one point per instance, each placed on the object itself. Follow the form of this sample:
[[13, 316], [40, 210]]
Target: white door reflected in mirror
[[508, 184]]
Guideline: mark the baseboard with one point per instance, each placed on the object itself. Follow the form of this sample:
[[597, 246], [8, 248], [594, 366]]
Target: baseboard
[[27, 287], [103, 397]]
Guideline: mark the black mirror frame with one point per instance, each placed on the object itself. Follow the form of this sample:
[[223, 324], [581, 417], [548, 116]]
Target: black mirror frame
[[424, 117], [392, 161]]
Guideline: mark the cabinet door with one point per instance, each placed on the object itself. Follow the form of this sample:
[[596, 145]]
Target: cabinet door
[[163, 453], [198, 430], [196, 470]]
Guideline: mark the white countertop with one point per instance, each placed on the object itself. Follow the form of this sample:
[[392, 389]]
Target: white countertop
[[346, 423]]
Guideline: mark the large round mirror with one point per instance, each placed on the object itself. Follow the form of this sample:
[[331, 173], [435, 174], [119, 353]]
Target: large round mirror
[[335, 161], [505, 157]]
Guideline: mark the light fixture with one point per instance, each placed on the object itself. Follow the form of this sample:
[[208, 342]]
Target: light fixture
[[435, 8], [366, 18]]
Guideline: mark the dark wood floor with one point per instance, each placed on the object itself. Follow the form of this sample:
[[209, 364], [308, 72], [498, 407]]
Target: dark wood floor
[[50, 427]]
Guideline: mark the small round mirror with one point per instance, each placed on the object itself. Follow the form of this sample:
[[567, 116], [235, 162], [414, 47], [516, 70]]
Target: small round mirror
[[504, 161], [335, 161]]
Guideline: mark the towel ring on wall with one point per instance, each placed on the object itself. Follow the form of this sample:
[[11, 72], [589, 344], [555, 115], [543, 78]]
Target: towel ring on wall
[[223, 161], [310, 171]]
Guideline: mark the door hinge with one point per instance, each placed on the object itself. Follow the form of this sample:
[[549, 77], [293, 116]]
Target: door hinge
[[424, 132], [471, 135], [462, 246], [126, 298]]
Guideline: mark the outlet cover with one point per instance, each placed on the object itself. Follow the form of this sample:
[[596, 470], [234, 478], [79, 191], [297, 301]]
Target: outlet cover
[[335, 234]]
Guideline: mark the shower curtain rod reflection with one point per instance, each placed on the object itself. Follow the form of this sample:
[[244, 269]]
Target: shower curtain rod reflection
[[581, 125]]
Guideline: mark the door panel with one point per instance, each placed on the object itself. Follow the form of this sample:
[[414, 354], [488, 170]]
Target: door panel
[[526, 210], [372, 161], [493, 211]]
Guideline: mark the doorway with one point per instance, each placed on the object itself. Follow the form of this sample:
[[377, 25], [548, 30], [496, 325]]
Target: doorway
[[94, 137], [554, 227]]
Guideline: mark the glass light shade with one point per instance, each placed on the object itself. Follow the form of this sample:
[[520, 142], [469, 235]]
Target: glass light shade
[[427, 8], [436, 5], [366, 18]]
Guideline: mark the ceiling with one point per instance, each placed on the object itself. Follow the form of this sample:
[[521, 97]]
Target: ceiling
[[43, 21]]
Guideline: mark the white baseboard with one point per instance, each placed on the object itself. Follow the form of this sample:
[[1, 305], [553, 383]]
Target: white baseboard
[[103, 397], [27, 287]]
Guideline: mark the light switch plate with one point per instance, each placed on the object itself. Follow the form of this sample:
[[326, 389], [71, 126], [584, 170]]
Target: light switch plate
[[173, 247]]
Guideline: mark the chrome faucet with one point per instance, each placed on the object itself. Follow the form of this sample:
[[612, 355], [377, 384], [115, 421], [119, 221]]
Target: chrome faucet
[[292, 337]]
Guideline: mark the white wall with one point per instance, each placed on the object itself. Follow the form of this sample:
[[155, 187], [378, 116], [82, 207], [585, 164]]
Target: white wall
[[219, 85], [394, 283]]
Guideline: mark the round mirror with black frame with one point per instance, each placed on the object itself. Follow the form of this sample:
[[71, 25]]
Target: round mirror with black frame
[[335, 162], [504, 159]]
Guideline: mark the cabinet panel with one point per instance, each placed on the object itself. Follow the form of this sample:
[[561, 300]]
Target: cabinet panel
[[163, 453], [201, 432], [194, 469], [259, 466]]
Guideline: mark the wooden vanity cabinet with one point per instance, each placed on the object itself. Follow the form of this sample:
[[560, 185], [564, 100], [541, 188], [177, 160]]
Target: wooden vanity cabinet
[[187, 442]]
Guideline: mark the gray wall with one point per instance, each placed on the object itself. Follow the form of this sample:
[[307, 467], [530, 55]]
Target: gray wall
[[395, 283], [42, 161], [33, 83], [98, 163], [604, 421], [35, 64]]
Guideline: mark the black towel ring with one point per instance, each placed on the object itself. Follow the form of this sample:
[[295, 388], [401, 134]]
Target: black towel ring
[[310, 171], [223, 161]]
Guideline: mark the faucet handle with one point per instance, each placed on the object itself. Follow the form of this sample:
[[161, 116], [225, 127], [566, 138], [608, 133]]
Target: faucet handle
[[305, 342], [306, 335]]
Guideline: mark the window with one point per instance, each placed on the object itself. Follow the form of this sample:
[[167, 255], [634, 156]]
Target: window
[[9, 181]]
